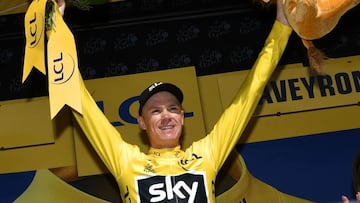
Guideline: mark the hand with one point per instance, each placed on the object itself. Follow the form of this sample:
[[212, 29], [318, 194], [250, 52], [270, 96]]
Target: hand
[[62, 5], [280, 13], [345, 199]]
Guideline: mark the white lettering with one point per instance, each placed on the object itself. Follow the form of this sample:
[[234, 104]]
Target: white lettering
[[191, 191], [156, 190], [160, 191], [154, 85], [170, 194]]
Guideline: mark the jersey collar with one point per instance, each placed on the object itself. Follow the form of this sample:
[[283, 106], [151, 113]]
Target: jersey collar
[[165, 152]]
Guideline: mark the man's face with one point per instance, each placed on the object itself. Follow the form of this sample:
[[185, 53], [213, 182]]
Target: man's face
[[162, 118]]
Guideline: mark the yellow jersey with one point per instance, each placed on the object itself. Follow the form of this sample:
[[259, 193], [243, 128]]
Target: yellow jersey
[[176, 175]]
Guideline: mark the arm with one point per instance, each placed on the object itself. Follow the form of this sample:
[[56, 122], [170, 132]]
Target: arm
[[233, 121], [104, 137], [280, 13]]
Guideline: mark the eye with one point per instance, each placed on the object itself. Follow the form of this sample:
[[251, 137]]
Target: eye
[[155, 111], [174, 109]]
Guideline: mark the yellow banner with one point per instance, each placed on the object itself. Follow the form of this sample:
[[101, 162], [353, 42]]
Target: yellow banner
[[25, 123], [26, 129], [63, 72], [292, 89], [35, 41], [295, 103]]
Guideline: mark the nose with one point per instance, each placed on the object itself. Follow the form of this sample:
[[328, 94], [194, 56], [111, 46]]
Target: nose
[[165, 113], [165, 116]]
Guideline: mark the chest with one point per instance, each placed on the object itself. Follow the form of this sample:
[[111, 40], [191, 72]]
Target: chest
[[170, 165], [170, 179]]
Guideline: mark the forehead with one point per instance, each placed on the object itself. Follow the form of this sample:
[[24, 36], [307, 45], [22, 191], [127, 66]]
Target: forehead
[[162, 97]]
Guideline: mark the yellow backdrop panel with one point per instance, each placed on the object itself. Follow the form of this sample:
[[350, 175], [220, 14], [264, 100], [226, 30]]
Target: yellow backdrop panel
[[21, 120], [302, 116], [51, 155], [300, 91]]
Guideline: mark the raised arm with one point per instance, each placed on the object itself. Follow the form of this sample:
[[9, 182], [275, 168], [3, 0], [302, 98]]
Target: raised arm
[[233, 121], [280, 13], [104, 137]]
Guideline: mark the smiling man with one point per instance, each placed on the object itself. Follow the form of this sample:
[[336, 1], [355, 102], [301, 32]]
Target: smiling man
[[168, 173], [161, 114]]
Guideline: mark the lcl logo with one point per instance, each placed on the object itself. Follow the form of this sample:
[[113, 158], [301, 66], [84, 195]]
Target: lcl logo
[[62, 68], [35, 29]]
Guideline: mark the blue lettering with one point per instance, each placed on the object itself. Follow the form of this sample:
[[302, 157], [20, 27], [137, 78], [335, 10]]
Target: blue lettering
[[127, 194], [325, 83], [328, 85], [59, 72], [124, 110], [266, 96], [356, 76], [33, 34], [346, 88], [309, 86], [188, 114], [100, 104], [294, 89], [279, 94], [186, 161]]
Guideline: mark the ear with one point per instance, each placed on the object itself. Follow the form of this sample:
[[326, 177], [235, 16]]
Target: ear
[[141, 122], [183, 117]]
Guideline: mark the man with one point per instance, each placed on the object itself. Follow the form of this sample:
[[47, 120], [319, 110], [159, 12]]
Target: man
[[168, 173]]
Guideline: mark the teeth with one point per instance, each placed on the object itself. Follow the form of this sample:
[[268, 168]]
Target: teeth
[[166, 127]]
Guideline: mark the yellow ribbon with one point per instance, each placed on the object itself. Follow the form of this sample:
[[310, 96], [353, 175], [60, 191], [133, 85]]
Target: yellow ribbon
[[35, 38], [63, 72]]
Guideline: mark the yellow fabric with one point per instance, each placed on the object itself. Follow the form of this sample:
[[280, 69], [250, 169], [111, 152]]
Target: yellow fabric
[[34, 24], [46, 187], [63, 72], [235, 118], [162, 173]]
